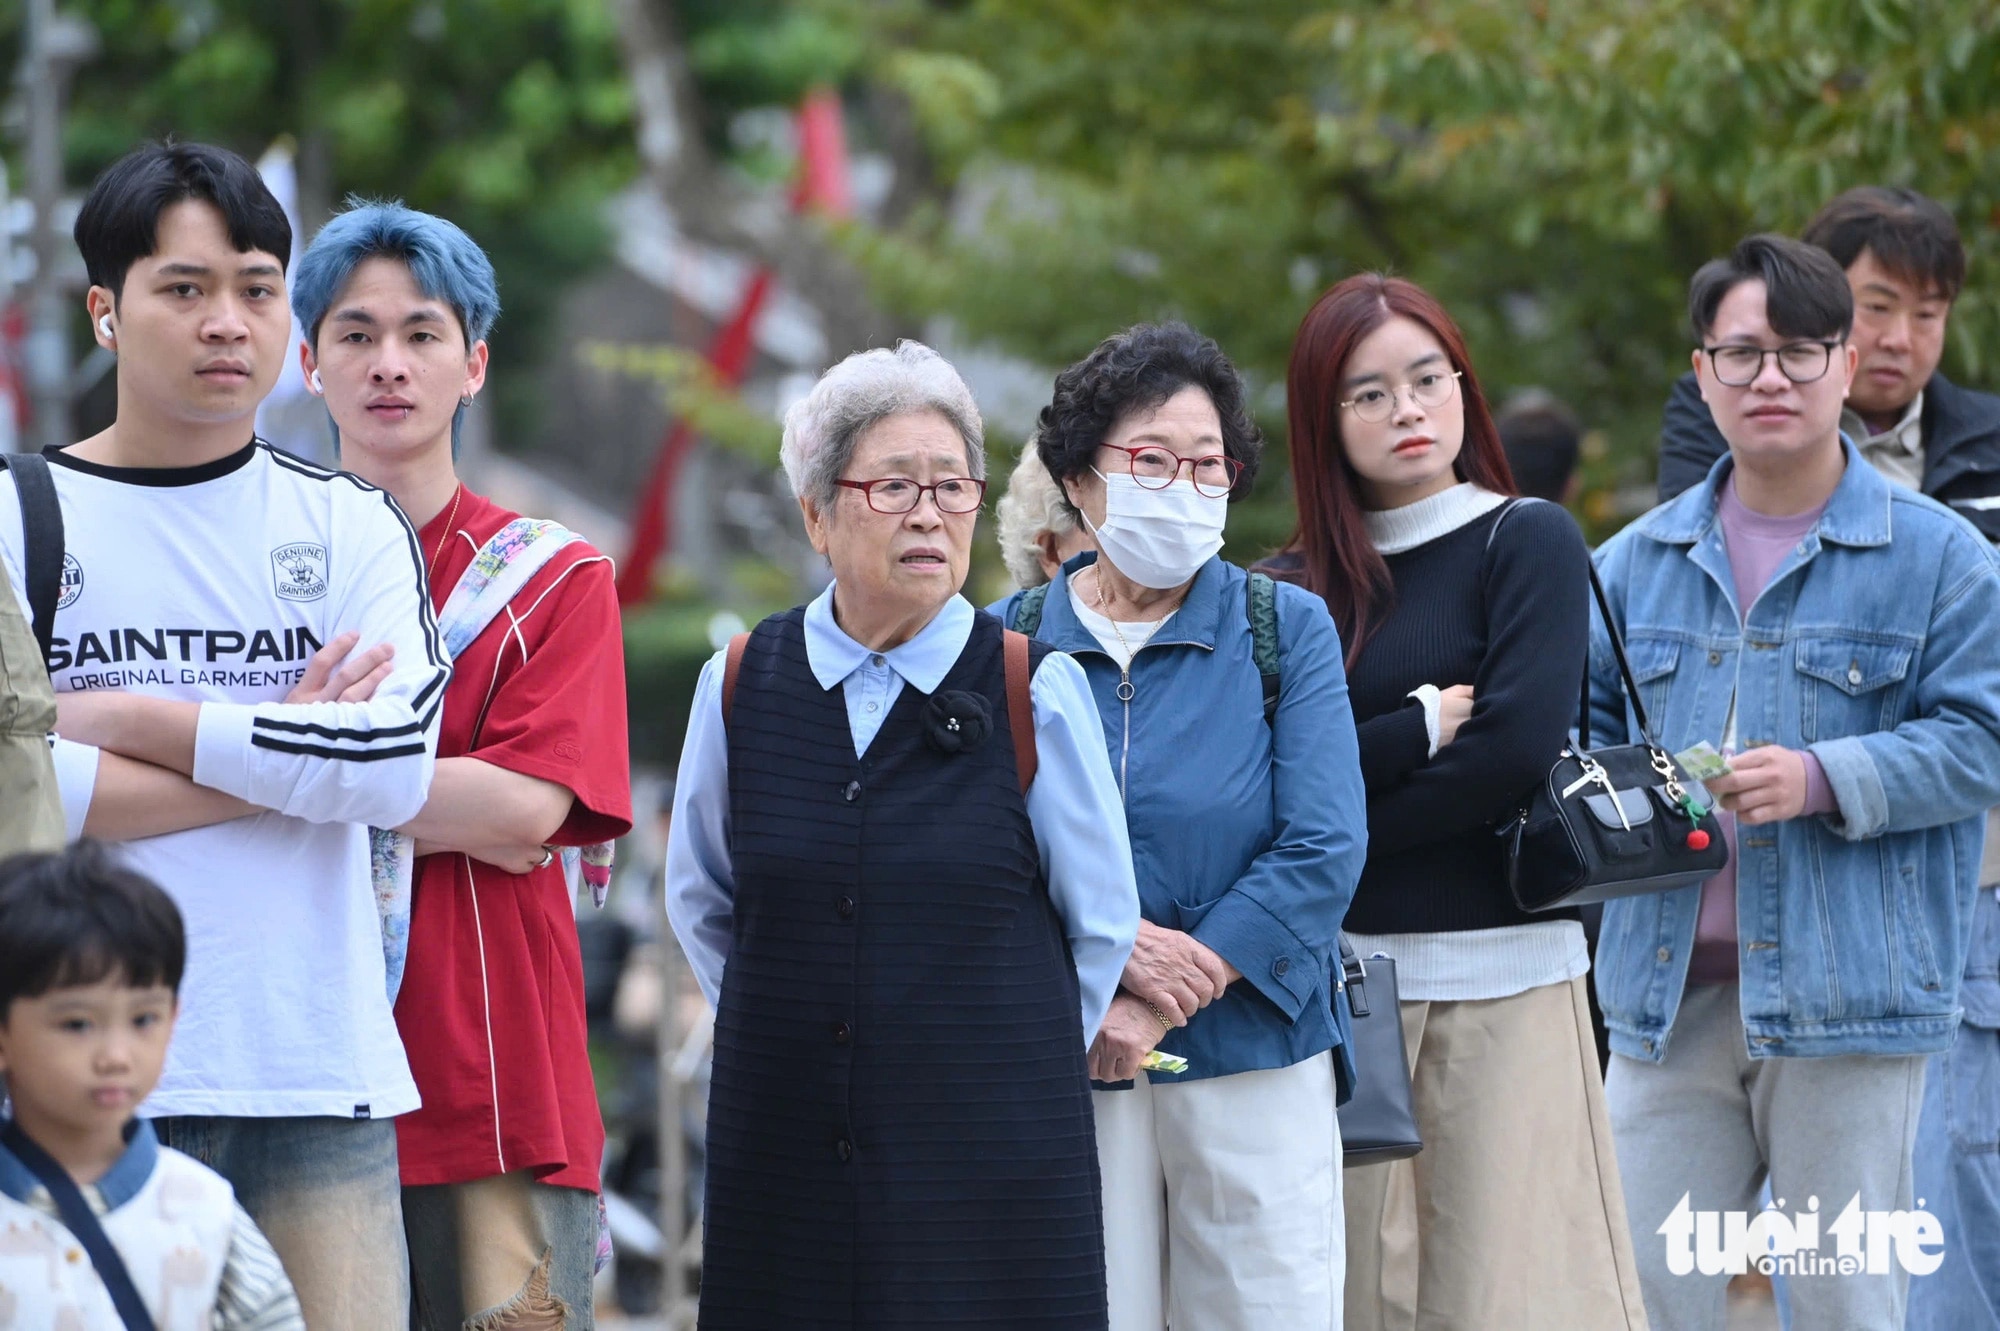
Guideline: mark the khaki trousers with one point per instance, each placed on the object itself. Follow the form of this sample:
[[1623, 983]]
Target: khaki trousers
[[1511, 1218], [31, 817]]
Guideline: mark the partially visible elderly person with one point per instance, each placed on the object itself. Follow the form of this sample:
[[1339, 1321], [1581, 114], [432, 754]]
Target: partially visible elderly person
[[1038, 528], [1244, 802], [907, 954]]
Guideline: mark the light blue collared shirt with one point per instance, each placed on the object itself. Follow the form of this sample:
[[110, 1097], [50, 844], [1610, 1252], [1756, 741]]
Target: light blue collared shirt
[[1078, 818]]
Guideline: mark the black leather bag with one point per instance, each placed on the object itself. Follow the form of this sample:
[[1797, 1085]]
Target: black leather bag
[[1377, 1123], [1612, 822]]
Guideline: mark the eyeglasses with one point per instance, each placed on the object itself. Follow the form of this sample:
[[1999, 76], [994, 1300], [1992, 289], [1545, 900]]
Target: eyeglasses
[[1376, 405], [1155, 468], [896, 495], [1801, 362]]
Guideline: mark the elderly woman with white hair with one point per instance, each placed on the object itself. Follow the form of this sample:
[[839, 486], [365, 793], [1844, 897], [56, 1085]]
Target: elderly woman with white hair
[[900, 872], [1039, 531]]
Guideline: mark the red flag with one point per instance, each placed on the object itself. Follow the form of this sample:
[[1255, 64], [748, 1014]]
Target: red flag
[[823, 186], [652, 528]]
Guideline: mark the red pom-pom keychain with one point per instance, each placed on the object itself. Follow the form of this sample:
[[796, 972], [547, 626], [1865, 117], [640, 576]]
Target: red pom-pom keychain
[[1697, 840]]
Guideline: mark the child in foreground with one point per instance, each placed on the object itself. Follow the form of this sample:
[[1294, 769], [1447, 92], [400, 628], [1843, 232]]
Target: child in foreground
[[91, 957]]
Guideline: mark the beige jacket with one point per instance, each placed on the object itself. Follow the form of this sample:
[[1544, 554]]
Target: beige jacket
[[31, 816]]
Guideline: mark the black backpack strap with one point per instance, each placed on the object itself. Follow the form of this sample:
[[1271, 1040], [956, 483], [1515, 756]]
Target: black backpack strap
[[1028, 610], [1260, 595], [42, 532], [82, 1222]]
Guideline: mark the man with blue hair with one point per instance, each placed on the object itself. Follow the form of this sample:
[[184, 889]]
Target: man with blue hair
[[500, 1165], [210, 590]]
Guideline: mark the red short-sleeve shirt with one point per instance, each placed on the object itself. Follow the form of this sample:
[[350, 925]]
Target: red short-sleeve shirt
[[491, 1009]]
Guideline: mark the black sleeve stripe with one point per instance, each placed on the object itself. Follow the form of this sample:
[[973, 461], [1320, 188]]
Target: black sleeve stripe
[[335, 732], [346, 755], [424, 694], [415, 727], [433, 644]]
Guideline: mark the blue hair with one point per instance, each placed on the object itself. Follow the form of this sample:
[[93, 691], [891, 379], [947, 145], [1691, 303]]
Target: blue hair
[[446, 264]]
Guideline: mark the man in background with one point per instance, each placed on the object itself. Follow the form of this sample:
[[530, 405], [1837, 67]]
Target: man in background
[[1542, 440]]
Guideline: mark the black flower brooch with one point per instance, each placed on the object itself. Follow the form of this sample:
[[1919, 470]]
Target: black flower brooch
[[957, 722]]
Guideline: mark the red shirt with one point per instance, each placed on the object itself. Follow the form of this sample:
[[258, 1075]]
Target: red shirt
[[491, 1008]]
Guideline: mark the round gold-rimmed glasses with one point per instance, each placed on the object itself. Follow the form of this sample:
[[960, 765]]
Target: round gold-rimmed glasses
[[1378, 404]]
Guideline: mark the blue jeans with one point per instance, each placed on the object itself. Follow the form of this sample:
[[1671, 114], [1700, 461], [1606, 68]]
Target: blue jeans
[[326, 1192], [1957, 1173]]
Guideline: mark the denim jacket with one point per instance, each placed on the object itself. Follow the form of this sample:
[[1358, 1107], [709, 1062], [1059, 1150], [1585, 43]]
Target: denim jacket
[[1248, 835], [1880, 656]]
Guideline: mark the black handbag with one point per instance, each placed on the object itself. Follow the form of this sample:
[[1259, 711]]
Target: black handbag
[[1378, 1123], [1612, 822]]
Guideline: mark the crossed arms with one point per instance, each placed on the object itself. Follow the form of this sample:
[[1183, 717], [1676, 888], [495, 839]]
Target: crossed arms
[[145, 782]]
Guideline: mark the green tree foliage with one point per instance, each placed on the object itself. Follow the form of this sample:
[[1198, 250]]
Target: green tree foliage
[[1553, 170], [510, 116]]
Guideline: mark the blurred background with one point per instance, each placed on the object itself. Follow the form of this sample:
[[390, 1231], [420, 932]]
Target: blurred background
[[697, 205]]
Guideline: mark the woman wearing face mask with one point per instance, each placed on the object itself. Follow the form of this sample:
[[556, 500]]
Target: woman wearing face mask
[[1221, 1183], [1465, 618]]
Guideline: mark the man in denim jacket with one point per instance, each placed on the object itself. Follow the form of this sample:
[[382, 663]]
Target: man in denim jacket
[[1777, 1018]]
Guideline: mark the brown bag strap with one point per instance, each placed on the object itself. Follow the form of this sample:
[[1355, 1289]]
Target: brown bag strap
[[732, 666], [1020, 709]]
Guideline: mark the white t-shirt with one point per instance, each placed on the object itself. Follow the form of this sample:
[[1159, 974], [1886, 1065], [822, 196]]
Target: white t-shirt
[[1121, 641], [215, 584]]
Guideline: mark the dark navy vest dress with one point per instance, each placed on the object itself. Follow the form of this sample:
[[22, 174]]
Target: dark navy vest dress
[[899, 1122]]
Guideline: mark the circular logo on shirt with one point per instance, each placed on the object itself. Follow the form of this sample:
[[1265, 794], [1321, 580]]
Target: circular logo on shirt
[[299, 571], [72, 582]]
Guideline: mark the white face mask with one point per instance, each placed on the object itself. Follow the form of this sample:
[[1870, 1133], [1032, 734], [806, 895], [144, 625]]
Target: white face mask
[[1158, 538]]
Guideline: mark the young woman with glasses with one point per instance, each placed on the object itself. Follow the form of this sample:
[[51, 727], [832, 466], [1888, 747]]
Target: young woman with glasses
[[1465, 617]]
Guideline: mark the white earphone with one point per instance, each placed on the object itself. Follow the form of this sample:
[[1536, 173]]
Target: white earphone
[[317, 386], [104, 326]]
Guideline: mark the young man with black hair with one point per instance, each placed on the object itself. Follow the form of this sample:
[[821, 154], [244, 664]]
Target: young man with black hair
[[1905, 265], [211, 588], [91, 957], [1776, 1020]]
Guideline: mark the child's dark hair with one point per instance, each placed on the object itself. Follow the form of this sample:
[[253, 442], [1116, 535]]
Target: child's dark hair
[[77, 917]]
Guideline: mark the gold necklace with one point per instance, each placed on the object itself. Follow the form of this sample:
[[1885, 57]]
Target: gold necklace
[[1125, 689], [1104, 604], [430, 574]]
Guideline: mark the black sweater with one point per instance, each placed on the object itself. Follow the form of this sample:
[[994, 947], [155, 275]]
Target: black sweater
[[1512, 619]]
